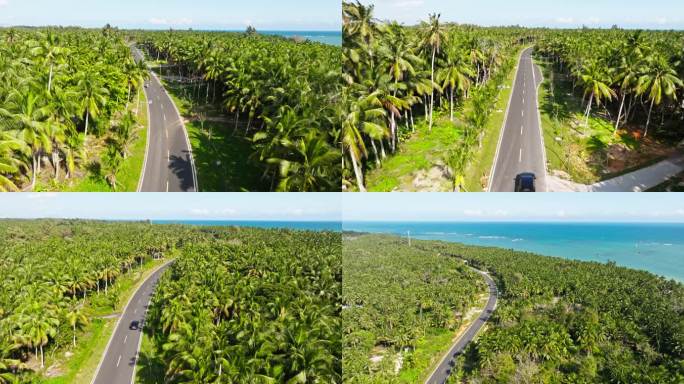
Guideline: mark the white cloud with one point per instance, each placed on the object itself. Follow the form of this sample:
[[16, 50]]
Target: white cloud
[[158, 21], [41, 195], [4, 2], [565, 20], [594, 20], [200, 211], [472, 212], [561, 213], [662, 20]]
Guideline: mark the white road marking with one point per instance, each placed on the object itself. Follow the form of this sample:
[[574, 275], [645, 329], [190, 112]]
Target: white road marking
[[167, 185], [118, 361], [521, 129], [520, 158], [125, 338], [168, 155], [522, 111], [135, 310], [164, 115]]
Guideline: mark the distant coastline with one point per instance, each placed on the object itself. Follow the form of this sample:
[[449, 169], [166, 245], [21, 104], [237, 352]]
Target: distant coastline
[[655, 247]]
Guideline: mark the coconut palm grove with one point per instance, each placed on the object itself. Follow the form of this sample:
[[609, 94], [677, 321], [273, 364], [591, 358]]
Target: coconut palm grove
[[424, 104], [556, 320], [261, 111], [237, 305]]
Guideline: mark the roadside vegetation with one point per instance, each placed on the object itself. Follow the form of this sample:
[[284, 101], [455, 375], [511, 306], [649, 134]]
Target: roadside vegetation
[[71, 110], [261, 111], [567, 321], [248, 306], [62, 282], [402, 307], [611, 101], [418, 101]]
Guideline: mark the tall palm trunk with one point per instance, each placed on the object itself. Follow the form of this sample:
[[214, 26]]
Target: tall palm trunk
[[74, 326], [588, 112], [357, 172], [50, 78], [451, 102], [86, 126], [34, 167], [432, 94], [622, 104], [128, 98], [375, 152], [648, 120]]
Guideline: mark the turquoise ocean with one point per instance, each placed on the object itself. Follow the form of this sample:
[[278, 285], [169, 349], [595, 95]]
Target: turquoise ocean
[[326, 37], [658, 248]]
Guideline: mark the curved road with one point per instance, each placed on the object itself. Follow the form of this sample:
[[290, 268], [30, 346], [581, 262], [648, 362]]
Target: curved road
[[443, 370], [521, 145], [118, 362], [168, 165]]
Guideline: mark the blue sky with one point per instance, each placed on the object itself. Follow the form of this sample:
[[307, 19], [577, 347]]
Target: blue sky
[[200, 206], [182, 14], [651, 14], [627, 207]]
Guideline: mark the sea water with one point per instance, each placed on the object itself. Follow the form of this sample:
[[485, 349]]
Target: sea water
[[658, 248], [325, 37]]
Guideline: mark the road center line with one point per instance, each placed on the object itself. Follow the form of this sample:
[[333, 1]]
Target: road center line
[[521, 129], [135, 310], [168, 155], [520, 158], [167, 185], [125, 338], [164, 115], [118, 361]]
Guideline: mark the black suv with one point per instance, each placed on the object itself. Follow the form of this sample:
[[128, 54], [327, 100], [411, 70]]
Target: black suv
[[524, 182]]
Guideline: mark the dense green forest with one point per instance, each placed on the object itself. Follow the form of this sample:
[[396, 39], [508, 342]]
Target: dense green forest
[[401, 308], [567, 321], [251, 306], [60, 277], [280, 94], [67, 103], [636, 74], [54, 276], [397, 76]]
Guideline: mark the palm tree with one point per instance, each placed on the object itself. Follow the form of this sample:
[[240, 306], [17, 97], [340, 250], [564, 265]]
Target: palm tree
[[93, 96], [76, 318], [9, 164], [596, 82], [51, 53], [454, 73], [363, 114], [27, 114], [433, 38], [658, 80]]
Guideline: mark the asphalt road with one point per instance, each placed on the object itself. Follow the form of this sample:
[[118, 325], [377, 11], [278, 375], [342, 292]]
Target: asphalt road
[[440, 375], [118, 363], [168, 166], [521, 146]]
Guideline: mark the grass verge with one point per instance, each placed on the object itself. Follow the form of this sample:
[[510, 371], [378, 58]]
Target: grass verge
[[419, 152], [221, 153]]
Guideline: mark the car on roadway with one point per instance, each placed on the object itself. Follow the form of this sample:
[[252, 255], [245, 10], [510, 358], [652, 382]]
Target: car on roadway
[[135, 325], [147, 85], [524, 182]]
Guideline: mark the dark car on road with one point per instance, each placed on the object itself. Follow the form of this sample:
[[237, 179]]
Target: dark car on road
[[135, 325], [524, 182]]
